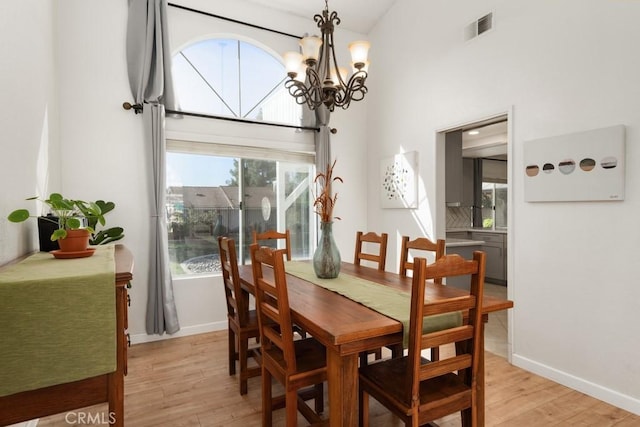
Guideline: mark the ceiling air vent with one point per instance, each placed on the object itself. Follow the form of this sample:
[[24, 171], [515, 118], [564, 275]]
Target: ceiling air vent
[[478, 27]]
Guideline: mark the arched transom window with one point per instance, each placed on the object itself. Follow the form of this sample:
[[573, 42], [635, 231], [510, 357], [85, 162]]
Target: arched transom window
[[229, 77]]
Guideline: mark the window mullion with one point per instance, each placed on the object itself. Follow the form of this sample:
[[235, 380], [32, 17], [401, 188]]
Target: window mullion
[[276, 87], [239, 80], [209, 85]]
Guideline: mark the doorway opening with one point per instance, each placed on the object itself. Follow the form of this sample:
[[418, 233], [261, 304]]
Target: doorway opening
[[477, 206]]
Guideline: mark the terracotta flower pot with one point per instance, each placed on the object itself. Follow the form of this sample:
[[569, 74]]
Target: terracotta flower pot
[[76, 241]]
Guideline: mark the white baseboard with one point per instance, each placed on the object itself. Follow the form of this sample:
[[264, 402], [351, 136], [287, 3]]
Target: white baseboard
[[183, 332], [597, 391]]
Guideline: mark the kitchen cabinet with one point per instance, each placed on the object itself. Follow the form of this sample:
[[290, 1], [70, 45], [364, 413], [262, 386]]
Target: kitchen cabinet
[[458, 172], [453, 168], [496, 259], [467, 182], [457, 235], [465, 249]]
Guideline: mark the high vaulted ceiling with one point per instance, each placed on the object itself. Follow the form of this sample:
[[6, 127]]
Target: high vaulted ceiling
[[355, 15]]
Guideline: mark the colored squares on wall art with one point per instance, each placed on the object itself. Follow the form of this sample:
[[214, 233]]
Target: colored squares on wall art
[[399, 181], [585, 166]]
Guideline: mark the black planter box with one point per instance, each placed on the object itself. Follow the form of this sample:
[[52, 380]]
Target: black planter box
[[45, 229]]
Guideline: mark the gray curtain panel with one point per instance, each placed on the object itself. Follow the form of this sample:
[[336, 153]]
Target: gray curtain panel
[[323, 138], [149, 64]]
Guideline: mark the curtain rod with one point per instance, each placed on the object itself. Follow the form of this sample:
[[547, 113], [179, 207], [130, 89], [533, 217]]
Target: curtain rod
[[137, 108], [232, 20]]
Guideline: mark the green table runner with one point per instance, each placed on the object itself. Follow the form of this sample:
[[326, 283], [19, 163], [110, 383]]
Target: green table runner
[[57, 320], [383, 299]]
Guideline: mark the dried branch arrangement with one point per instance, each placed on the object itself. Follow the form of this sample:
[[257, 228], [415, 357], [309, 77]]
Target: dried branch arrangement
[[326, 201]]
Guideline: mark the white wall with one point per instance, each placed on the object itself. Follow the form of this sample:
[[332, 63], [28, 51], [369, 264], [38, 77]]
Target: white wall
[[29, 163], [101, 143], [559, 67], [93, 84]]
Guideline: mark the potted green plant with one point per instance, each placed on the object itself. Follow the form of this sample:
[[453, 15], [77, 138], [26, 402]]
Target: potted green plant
[[101, 237], [75, 220]]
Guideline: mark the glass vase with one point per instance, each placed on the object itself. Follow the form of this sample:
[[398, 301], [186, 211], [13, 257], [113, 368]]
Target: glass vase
[[326, 259]]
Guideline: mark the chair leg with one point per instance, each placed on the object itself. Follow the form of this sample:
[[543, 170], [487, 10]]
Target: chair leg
[[243, 345], [266, 398], [413, 421], [466, 415], [232, 352], [319, 398], [363, 408], [364, 356], [397, 350], [435, 354], [291, 402]]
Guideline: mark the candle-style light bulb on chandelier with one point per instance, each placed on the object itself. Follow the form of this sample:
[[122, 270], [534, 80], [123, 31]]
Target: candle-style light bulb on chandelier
[[314, 76]]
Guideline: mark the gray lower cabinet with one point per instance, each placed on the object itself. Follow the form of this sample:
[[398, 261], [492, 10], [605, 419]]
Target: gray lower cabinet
[[495, 248], [495, 265], [465, 252], [457, 235]]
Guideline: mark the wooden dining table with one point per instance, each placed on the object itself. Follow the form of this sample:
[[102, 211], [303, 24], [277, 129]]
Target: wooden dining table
[[346, 328]]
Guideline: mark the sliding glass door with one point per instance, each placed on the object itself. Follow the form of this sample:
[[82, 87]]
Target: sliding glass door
[[210, 196]]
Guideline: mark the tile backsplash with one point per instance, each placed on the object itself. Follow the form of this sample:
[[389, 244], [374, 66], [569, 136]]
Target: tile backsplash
[[458, 217]]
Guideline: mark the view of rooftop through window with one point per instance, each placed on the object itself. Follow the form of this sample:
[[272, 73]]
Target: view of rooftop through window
[[234, 198]]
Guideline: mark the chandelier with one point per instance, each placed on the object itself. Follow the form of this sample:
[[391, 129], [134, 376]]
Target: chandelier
[[314, 76]]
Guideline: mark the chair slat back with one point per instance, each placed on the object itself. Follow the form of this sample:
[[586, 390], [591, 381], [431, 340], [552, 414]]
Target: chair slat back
[[274, 235], [272, 302], [419, 244], [237, 301], [371, 238], [465, 337]]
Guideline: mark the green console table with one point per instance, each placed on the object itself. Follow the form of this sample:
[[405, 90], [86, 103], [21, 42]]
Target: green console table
[[79, 393]]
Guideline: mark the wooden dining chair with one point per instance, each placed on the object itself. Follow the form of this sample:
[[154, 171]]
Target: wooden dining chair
[[242, 322], [423, 244], [417, 390], [380, 258], [299, 365], [419, 244], [371, 239], [271, 235]]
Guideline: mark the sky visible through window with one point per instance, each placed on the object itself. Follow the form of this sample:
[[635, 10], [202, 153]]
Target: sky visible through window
[[220, 76], [197, 170], [217, 76]]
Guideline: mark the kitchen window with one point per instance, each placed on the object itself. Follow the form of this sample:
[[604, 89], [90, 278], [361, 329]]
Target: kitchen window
[[494, 205]]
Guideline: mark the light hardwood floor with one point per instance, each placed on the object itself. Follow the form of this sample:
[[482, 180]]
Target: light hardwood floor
[[185, 382]]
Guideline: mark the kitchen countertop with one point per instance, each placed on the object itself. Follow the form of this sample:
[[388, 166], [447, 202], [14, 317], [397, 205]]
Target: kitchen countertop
[[478, 230], [454, 243]]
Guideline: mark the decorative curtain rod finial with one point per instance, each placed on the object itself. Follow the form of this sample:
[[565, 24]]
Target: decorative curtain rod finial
[[137, 108]]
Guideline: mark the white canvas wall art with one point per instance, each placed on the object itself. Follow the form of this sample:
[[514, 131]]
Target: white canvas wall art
[[399, 181], [583, 166]]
